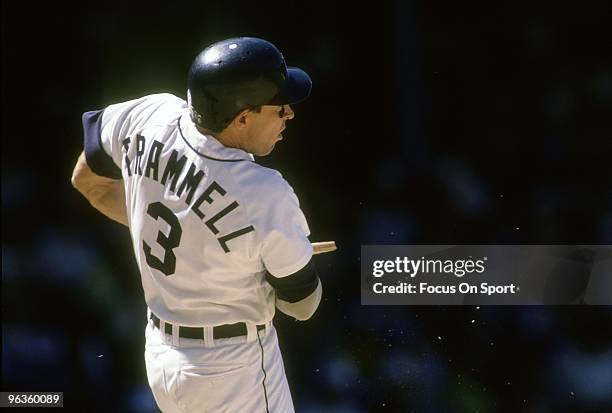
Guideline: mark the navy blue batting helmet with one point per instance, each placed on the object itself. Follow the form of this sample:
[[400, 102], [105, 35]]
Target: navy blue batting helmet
[[239, 73]]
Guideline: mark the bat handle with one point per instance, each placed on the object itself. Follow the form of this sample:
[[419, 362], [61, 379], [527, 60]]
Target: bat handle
[[323, 247]]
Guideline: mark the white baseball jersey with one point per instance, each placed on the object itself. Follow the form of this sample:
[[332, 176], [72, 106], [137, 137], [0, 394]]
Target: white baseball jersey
[[206, 221]]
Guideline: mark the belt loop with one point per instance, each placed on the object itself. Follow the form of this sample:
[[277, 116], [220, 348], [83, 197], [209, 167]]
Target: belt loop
[[209, 340], [162, 331], [252, 332], [175, 335]]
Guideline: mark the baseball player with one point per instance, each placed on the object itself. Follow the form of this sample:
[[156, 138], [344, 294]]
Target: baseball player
[[220, 241]]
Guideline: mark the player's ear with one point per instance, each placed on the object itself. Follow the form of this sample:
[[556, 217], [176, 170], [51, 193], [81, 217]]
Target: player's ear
[[242, 118]]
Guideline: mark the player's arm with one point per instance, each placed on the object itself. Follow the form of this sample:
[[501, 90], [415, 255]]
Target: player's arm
[[303, 309], [105, 194], [299, 294]]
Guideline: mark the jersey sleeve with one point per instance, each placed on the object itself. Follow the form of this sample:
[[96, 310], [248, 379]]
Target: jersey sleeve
[[105, 130], [285, 247]]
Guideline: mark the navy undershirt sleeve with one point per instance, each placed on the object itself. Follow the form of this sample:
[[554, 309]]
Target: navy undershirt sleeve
[[297, 286], [97, 159]]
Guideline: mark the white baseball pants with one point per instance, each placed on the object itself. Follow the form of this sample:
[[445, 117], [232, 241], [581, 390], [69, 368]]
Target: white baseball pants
[[229, 375]]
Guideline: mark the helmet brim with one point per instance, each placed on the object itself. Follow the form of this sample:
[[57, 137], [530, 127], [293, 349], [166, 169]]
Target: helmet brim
[[296, 89]]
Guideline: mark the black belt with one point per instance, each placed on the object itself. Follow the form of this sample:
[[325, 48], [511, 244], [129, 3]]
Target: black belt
[[222, 331]]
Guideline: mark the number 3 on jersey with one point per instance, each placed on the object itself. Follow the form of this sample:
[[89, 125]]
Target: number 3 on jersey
[[168, 242]]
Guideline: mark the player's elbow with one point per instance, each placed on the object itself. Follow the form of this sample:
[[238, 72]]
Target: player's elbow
[[298, 294], [80, 174], [76, 181], [79, 183], [304, 309], [84, 180]]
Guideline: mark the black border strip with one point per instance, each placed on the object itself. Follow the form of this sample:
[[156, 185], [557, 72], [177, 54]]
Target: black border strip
[[201, 154]]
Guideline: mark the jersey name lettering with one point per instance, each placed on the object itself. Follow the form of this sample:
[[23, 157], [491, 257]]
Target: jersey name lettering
[[148, 163]]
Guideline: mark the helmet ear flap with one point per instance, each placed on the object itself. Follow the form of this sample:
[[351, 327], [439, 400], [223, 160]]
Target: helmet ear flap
[[195, 116], [202, 112]]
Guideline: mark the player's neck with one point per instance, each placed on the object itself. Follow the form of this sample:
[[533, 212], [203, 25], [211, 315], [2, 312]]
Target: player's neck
[[227, 137]]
